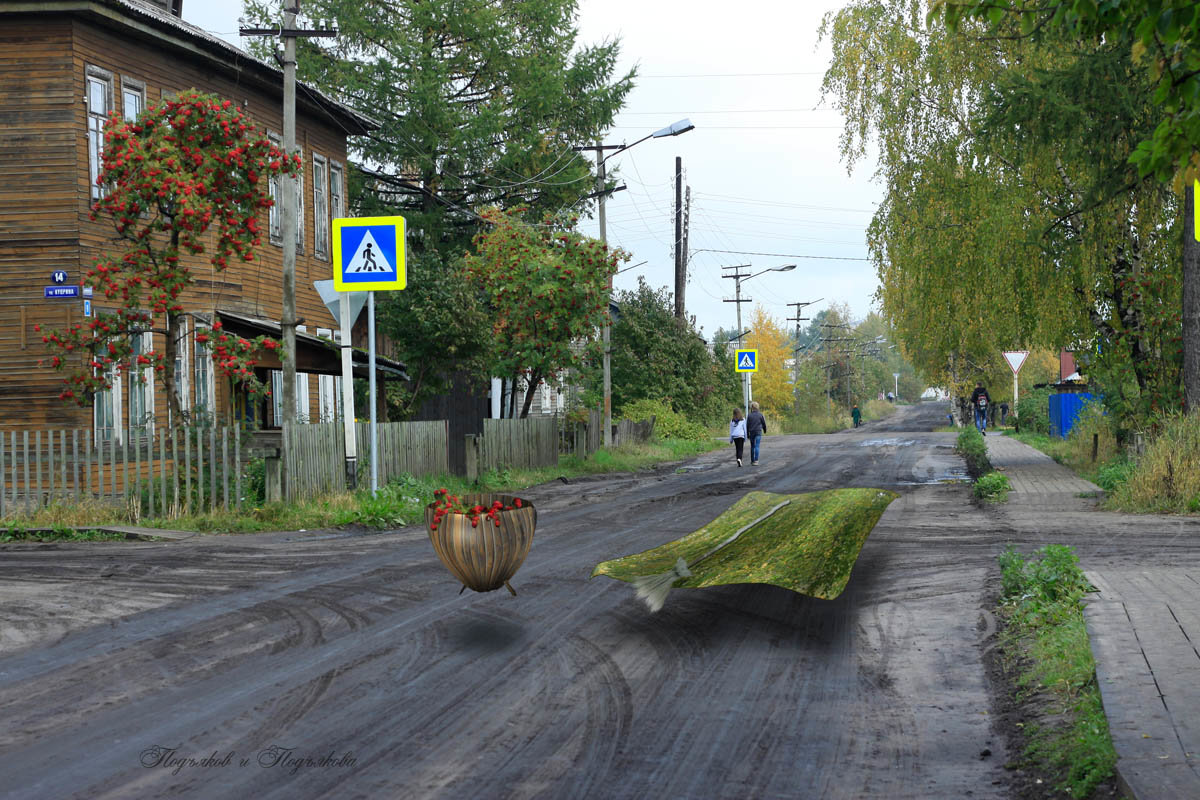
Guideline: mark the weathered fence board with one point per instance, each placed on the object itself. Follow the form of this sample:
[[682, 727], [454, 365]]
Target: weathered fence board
[[519, 443]]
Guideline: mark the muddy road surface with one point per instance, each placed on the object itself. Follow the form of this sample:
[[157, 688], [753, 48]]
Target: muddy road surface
[[311, 665]]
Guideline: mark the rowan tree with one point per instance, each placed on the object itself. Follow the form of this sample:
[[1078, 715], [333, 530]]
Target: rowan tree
[[546, 288], [187, 177]]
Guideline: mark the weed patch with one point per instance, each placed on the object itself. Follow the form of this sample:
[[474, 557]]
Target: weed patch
[[992, 487], [971, 447], [1046, 640]]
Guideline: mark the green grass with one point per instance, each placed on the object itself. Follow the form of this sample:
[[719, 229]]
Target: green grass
[[397, 504], [809, 546], [992, 487], [1046, 635], [971, 447], [18, 533]]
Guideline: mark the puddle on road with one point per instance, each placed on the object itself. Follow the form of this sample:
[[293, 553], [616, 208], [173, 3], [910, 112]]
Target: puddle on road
[[695, 468], [887, 443]]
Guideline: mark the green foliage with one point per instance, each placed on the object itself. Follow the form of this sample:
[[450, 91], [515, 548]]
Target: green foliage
[[656, 355], [1033, 411], [669, 424], [58, 533], [546, 289], [971, 447], [992, 487], [1041, 599], [1167, 476], [1113, 475]]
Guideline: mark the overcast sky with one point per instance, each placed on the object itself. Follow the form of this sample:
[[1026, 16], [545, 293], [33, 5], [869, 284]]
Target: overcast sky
[[763, 162]]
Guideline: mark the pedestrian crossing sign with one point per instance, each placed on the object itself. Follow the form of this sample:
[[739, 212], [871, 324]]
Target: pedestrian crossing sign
[[368, 254], [746, 360]]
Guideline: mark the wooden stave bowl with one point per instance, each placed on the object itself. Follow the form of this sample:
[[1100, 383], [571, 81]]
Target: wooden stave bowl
[[485, 557]]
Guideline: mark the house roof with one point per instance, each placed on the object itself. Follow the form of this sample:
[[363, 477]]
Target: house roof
[[155, 23]]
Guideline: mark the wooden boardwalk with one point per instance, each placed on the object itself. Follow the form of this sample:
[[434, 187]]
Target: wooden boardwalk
[[1145, 629]]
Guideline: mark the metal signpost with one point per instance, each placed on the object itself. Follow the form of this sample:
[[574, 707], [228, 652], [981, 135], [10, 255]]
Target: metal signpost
[[746, 362], [368, 255], [1015, 359]]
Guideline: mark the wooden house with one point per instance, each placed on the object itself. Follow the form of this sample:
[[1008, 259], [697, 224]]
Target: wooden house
[[65, 66]]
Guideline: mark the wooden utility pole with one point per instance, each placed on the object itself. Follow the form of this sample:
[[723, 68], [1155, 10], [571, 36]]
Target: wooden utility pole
[[1191, 302], [796, 352], [680, 257], [737, 278], [289, 224]]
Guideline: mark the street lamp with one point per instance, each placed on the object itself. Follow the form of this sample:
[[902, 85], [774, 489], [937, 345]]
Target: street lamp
[[674, 129], [738, 280]]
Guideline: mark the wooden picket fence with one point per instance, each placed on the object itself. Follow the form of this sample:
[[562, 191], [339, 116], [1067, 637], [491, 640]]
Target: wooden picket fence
[[519, 443], [157, 471], [629, 431], [316, 463]]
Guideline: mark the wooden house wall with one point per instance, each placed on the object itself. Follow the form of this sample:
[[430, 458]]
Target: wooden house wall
[[39, 228], [44, 221]]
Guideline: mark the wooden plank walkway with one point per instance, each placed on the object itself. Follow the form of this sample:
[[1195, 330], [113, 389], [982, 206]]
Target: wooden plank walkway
[[1145, 630], [1036, 478]]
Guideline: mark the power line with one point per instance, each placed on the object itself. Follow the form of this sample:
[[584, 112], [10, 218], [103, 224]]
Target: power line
[[784, 255], [733, 75], [734, 111]]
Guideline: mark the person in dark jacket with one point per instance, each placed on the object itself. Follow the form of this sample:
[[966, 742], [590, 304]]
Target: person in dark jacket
[[980, 400], [756, 426], [856, 415]]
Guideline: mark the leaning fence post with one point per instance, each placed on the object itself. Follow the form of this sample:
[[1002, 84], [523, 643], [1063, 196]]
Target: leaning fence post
[[225, 465]]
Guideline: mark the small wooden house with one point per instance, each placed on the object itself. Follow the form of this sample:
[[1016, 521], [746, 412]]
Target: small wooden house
[[65, 66]]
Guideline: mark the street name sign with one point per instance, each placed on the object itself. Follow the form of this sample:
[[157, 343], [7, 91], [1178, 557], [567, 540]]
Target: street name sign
[[368, 254], [746, 360], [61, 291]]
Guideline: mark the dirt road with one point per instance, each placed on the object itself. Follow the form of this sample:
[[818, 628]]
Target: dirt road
[[330, 665]]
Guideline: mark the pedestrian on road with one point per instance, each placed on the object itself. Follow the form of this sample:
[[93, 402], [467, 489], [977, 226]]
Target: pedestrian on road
[[737, 434], [756, 426], [856, 415], [1003, 412], [980, 400]]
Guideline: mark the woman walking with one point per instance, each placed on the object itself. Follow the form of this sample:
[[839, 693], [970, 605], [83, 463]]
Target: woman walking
[[737, 434]]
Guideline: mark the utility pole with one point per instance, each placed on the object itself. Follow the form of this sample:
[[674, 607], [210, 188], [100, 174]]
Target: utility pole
[[687, 213], [607, 333], [290, 225], [796, 353], [737, 278], [680, 260]]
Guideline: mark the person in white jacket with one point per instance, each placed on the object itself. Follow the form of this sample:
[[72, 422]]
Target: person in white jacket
[[737, 433]]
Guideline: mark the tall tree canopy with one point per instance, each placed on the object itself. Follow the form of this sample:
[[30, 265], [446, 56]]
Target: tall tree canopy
[[1012, 217], [480, 104]]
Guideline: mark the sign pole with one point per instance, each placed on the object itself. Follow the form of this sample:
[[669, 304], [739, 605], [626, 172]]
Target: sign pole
[[371, 360], [348, 396]]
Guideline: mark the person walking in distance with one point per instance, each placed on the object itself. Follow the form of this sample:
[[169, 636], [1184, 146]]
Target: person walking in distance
[[856, 415], [756, 426], [980, 400], [737, 434]]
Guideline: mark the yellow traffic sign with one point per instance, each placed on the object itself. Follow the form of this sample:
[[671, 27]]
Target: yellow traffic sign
[[368, 254]]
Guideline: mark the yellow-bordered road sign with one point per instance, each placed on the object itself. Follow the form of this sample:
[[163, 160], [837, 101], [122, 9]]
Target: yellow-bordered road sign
[[746, 360], [368, 254]]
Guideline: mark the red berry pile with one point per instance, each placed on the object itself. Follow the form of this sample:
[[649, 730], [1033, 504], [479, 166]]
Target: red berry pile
[[445, 503]]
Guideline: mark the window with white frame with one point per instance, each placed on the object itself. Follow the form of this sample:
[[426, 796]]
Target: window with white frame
[[337, 190], [303, 407], [204, 371], [181, 365], [320, 172], [133, 98], [99, 105], [141, 382], [106, 409], [329, 394], [275, 215]]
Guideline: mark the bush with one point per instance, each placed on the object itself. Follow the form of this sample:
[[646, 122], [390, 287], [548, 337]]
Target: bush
[[1167, 476], [1033, 410], [1114, 474], [971, 447], [669, 424], [992, 487]]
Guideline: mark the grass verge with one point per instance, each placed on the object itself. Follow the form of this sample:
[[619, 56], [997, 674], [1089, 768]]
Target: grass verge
[[397, 504], [1045, 642], [20, 533]]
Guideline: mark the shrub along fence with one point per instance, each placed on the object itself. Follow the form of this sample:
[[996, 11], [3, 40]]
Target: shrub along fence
[[158, 471]]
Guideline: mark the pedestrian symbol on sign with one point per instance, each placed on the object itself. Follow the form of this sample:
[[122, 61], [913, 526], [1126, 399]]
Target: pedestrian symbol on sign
[[368, 254], [746, 360]]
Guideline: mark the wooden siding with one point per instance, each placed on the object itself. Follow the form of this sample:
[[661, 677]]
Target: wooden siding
[[45, 195]]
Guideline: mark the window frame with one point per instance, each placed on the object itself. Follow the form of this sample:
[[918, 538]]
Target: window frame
[[182, 369], [136, 87], [337, 202], [96, 122], [203, 362], [320, 207]]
